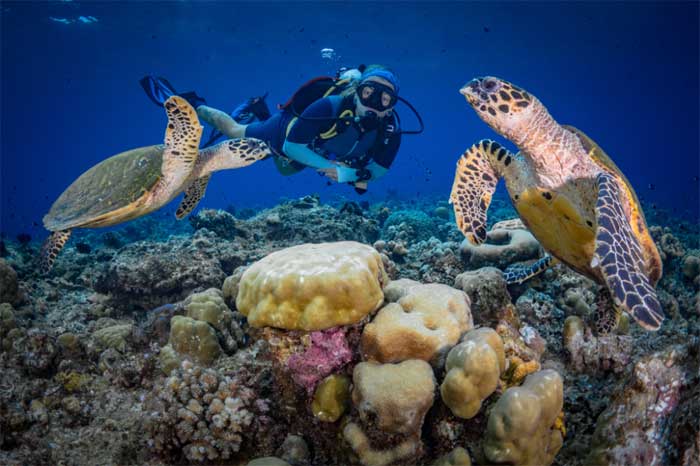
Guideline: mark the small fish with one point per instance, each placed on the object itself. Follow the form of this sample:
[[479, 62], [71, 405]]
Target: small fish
[[651, 186], [61, 20]]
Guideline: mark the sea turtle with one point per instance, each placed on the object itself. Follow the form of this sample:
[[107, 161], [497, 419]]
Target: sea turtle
[[139, 181], [568, 192]]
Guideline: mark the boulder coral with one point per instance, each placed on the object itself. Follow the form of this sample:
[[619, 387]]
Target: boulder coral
[[521, 427], [421, 322], [189, 338], [313, 286], [473, 369], [394, 397]]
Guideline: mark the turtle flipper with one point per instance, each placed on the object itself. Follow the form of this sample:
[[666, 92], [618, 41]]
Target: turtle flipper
[[182, 137], [516, 274], [619, 256], [193, 194], [478, 170], [51, 248]]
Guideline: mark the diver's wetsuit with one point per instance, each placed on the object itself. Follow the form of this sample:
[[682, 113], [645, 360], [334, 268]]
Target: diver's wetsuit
[[350, 144]]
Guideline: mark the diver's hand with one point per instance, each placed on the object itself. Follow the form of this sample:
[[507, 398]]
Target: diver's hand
[[331, 173]]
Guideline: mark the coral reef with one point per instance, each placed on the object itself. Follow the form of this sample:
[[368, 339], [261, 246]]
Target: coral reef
[[148, 275], [393, 397], [632, 429], [82, 349]]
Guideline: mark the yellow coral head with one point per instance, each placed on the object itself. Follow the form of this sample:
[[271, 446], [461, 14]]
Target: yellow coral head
[[503, 106]]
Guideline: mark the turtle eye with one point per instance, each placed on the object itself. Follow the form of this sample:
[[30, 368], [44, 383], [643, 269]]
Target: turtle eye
[[490, 84]]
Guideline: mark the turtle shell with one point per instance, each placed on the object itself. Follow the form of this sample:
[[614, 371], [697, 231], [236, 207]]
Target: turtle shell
[[602, 159], [108, 186], [638, 222]]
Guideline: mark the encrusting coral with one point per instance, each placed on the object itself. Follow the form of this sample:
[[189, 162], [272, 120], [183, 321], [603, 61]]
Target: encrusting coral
[[473, 370], [421, 322], [313, 286]]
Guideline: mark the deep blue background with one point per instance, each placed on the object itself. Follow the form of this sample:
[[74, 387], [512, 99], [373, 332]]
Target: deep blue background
[[625, 73]]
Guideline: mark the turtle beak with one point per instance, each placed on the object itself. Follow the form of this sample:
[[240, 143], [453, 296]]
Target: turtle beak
[[470, 91]]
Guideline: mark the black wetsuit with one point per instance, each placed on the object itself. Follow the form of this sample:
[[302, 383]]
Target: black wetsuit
[[350, 142]]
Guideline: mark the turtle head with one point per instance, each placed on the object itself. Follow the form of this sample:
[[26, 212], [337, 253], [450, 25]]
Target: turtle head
[[503, 106]]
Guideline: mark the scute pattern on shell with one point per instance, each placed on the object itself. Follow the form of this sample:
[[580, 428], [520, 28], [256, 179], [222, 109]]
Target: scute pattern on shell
[[109, 185]]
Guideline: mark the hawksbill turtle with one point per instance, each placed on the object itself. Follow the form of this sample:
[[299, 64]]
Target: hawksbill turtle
[[139, 181], [568, 192]]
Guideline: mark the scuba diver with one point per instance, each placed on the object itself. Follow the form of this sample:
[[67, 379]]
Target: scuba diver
[[344, 127]]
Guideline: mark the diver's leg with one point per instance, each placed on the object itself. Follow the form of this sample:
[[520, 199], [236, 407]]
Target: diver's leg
[[222, 121]]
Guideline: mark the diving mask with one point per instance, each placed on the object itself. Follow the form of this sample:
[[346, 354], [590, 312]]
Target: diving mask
[[376, 95]]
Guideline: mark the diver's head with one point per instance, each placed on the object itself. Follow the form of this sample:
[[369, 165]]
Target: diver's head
[[503, 106], [376, 92]]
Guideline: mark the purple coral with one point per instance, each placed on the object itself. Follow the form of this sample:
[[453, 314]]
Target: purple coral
[[328, 352]]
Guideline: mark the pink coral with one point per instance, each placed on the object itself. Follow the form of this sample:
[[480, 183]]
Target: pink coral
[[328, 352]]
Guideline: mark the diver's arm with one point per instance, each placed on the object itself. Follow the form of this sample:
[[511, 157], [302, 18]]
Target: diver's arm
[[221, 121], [302, 154], [379, 165]]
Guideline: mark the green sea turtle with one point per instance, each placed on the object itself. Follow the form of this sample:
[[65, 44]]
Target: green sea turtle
[[139, 181], [568, 192]]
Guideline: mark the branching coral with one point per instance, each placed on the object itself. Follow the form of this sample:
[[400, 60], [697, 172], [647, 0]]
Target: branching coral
[[201, 413]]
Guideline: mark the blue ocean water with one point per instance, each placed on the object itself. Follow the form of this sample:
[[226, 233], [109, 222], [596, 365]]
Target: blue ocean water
[[625, 73]]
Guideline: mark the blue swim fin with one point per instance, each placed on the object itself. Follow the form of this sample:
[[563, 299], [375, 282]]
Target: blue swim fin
[[158, 89]]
